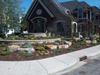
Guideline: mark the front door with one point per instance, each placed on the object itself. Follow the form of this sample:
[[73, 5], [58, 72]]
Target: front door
[[39, 25]]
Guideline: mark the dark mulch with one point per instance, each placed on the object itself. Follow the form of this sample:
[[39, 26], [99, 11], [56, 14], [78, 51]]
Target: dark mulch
[[15, 56]]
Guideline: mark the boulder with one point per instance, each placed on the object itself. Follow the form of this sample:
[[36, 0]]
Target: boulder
[[14, 47], [30, 50], [52, 46], [69, 43], [88, 41], [63, 46], [94, 41]]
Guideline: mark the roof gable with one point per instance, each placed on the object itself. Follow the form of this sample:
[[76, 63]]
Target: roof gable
[[95, 9], [34, 6], [74, 4], [55, 9]]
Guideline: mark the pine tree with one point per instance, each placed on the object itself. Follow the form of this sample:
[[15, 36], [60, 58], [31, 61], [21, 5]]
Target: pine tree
[[10, 12]]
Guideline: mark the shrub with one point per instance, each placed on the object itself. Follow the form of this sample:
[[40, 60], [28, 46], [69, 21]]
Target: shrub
[[1, 38], [2, 35], [28, 37], [13, 37], [40, 48], [82, 42], [5, 52], [98, 40], [31, 37], [2, 45], [25, 53], [71, 49], [27, 45]]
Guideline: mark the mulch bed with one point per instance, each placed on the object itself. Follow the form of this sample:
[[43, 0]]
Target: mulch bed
[[15, 56]]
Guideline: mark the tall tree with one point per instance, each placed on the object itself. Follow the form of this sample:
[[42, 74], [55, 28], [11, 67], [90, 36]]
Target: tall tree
[[2, 15], [10, 12]]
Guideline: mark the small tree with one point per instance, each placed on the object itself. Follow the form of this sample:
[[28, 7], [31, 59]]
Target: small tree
[[10, 11], [24, 25]]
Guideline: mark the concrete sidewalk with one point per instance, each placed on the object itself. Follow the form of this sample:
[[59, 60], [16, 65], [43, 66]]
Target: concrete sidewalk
[[46, 66]]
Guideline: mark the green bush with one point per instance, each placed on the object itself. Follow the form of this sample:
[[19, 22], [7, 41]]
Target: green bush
[[71, 49], [40, 48], [82, 42], [27, 45], [13, 37], [25, 53], [98, 40], [5, 52], [2, 35], [2, 45], [31, 37], [1, 38]]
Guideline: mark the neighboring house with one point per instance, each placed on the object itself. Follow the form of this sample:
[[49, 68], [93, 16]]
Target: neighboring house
[[46, 16], [96, 18], [87, 17]]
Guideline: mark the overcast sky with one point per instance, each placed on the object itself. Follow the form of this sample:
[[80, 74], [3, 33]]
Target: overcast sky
[[27, 3]]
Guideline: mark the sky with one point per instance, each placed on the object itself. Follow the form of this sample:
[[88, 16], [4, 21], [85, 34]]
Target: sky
[[27, 3]]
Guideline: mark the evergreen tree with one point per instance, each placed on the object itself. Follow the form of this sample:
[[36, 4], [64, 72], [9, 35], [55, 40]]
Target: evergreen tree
[[10, 12]]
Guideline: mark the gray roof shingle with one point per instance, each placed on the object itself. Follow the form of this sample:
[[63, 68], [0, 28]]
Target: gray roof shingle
[[74, 4], [55, 8]]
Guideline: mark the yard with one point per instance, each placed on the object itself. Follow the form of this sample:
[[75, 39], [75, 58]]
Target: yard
[[14, 49]]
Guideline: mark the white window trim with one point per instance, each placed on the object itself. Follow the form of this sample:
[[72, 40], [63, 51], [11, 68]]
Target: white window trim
[[76, 25]]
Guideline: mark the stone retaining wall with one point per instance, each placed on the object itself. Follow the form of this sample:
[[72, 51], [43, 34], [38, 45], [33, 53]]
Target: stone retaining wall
[[32, 41]]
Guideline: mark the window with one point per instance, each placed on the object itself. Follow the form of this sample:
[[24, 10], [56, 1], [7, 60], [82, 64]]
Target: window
[[97, 17], [80, 12], [84, 14], [61, 27], [75, 15]]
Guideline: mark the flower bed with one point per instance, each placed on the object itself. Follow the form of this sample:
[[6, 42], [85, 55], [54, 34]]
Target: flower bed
[[13, 51]]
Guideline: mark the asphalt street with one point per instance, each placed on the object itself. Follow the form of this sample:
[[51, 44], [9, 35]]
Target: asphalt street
[[91, 68]]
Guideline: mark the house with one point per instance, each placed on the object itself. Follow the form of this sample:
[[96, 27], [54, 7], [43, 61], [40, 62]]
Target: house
[[87, 17], [48, 16], [96, 18]]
